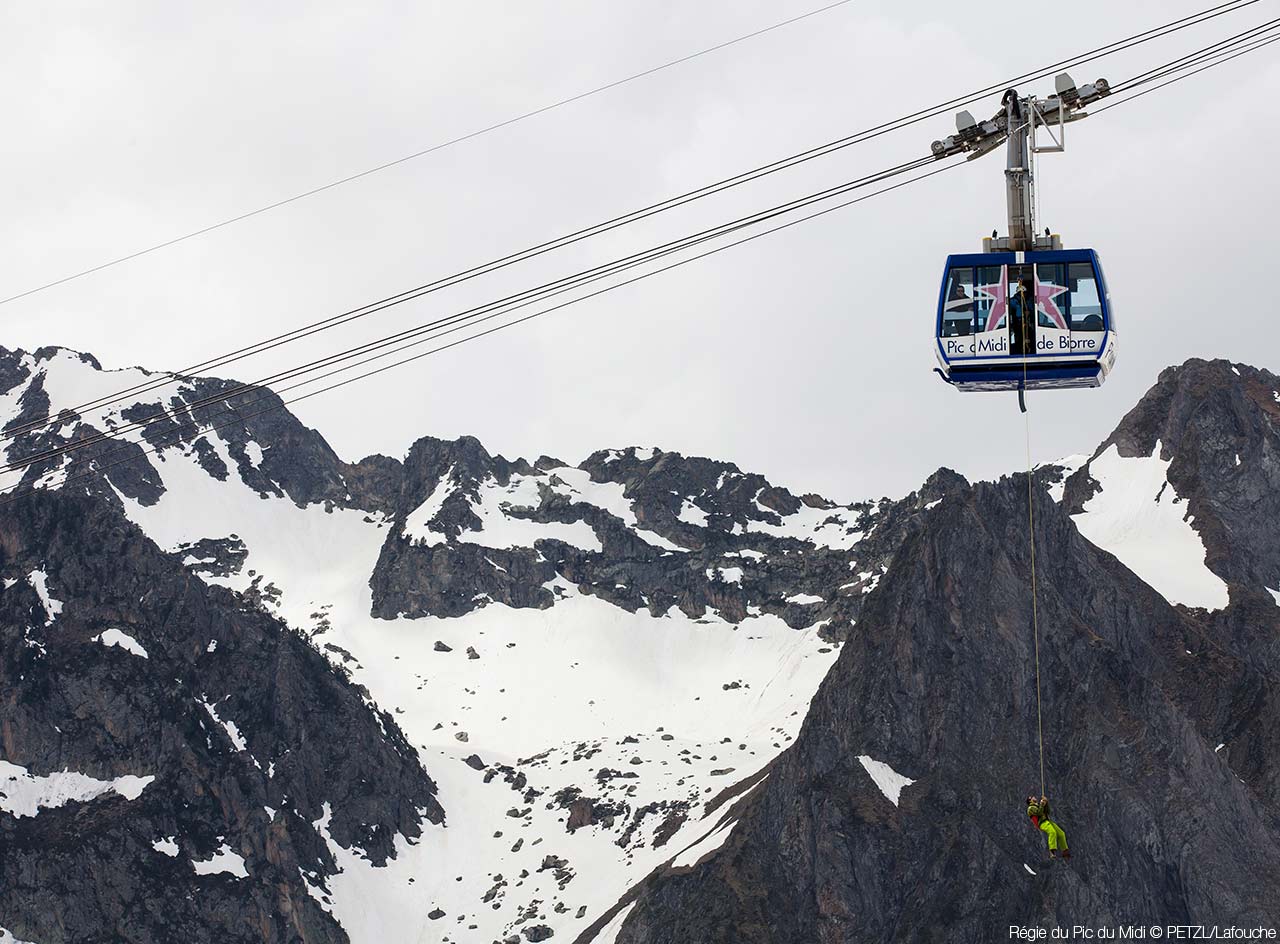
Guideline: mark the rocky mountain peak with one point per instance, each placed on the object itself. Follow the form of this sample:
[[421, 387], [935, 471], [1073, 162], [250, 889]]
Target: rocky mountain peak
[[612, 665], [1202, 408], [901, 799], [1194, 471]]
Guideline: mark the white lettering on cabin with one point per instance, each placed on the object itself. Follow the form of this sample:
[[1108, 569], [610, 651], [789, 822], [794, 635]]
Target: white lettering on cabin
[[1077, 344], [957, 347]]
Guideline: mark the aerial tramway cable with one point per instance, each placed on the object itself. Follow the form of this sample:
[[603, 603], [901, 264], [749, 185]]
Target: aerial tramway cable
[[1187, 75], [546, 290], [642, 213], [532, 296], [422, 153], [99, 470], [1213, 50]]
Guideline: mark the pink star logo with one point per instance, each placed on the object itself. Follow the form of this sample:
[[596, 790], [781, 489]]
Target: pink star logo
[[1046, 292], [998, 292]]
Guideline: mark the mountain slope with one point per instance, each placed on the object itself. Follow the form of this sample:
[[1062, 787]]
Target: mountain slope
[[458, 697], [938, 686], [1199, 458], [580, 655], [1160, 719], [243, 756]]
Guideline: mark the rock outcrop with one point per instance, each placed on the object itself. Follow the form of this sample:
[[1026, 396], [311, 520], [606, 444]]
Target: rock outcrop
[[258, 760], [1159, 722]]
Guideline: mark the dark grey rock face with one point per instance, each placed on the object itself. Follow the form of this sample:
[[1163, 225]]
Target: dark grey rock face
[[249, 733], [1218, 424], [689, 533], [1160, 751], [1162, 723], [938, 683], [295, 461]]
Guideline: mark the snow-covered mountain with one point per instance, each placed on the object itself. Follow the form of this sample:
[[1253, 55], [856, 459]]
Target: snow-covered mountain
[[257, 691], [582, 657]]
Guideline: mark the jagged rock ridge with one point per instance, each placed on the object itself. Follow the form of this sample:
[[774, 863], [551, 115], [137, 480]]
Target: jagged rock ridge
[[1160, 720], [589, 660], [730, 578]]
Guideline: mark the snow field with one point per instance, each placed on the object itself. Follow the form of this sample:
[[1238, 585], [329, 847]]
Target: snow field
[[706, 703], [1140, 519]]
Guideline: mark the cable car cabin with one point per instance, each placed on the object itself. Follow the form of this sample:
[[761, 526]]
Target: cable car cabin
[[984, 342]]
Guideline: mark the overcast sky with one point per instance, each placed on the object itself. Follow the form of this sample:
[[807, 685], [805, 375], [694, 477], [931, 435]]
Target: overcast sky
[[805, 355]]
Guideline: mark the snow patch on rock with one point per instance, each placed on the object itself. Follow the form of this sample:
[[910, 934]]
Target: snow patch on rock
[[609, 933], [708, 844], [692, 514], [39, 580], [822, 527], [1140, 519], [500, 529], [890, 782], [25, 794], [223, 861], [610, 497], [117, 637], [805, 599], [417, 526], [229, 726], [1070, 465]]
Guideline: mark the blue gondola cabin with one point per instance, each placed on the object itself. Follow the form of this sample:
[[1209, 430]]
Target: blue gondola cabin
[[1025, 320]]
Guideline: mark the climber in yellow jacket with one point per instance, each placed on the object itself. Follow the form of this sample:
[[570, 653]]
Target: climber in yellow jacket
[[1038, 811]]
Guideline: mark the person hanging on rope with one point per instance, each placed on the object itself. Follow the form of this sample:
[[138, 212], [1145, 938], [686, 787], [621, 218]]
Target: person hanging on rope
[[1038, 811], [1022, 319]]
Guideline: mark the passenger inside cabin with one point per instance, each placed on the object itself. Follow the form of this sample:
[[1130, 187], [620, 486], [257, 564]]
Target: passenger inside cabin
[[958, 302]]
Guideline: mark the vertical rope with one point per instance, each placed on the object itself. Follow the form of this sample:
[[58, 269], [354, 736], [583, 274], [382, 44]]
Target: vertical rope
[[1035, 615], [1031, 535]]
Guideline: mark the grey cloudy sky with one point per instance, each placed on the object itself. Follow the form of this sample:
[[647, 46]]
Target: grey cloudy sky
[[804, 355]]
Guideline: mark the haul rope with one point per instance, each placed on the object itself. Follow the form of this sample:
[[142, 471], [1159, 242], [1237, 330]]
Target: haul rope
[[1031, 536]]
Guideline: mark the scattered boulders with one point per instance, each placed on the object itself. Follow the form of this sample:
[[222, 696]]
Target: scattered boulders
[[498, 884]]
